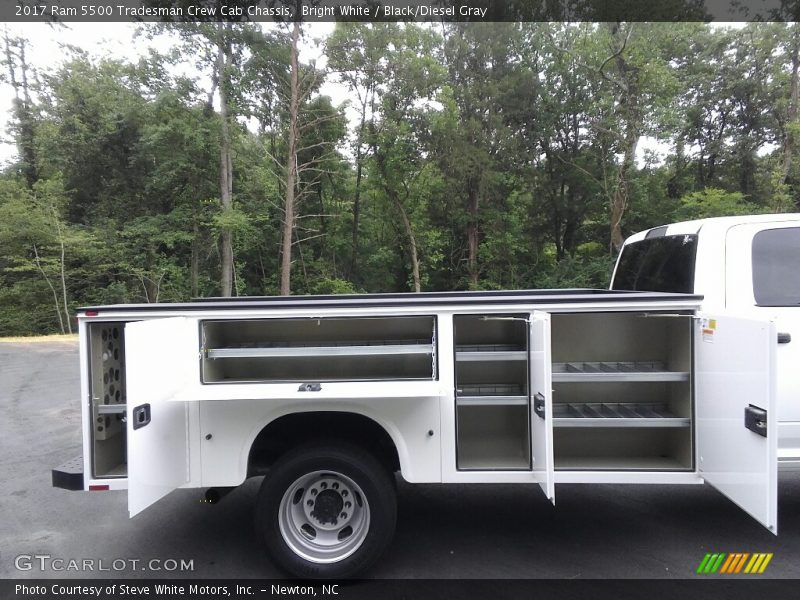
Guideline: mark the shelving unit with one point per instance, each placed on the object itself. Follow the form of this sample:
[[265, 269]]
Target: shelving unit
[[350, 348], [614, 413], [492, 403], [491, 395], [490, 352], [307, 350], [108, 398], [624, 414], [615, 371]]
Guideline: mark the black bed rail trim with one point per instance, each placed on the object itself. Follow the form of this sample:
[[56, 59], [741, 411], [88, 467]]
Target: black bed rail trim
[[566, 296]]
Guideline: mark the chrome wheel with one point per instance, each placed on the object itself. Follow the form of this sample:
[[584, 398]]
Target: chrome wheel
[[324, 517]]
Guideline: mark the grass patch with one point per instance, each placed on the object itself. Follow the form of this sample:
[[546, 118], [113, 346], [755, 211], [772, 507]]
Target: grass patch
[[55, 337]]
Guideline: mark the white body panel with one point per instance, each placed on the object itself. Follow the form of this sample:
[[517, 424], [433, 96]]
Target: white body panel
[[234, 425], [541, 382], [740, 297], [201, 434], [735, 369], [158, 450]]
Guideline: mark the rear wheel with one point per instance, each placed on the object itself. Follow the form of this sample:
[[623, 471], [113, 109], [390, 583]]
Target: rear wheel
[[326, 510]]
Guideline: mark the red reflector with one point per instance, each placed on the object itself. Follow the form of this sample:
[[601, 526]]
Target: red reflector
[[91, 313], [98, 488]]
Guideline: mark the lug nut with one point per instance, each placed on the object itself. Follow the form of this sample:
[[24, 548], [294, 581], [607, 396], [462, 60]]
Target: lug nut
[[344, 515], [347, 505], [314, 492], [310, 503]]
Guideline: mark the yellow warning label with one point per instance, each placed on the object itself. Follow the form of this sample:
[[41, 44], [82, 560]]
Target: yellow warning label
[[709, 326]]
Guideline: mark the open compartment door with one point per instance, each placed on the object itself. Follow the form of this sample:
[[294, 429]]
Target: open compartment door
[[736, 416], [159, 355], [541, 414]]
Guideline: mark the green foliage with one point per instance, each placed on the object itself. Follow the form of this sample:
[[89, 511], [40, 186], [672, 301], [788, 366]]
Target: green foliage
[[713, 202], [480, 156]]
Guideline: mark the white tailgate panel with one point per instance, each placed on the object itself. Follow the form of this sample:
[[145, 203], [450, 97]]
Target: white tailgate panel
[[735, 368], [159, 359]]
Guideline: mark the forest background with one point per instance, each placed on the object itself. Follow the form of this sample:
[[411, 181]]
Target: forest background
[[467, 156]]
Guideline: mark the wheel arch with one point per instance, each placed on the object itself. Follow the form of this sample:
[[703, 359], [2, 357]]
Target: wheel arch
[[287, 431]]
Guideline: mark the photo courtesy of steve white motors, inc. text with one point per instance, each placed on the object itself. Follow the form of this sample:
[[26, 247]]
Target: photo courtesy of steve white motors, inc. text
[[170, 589]]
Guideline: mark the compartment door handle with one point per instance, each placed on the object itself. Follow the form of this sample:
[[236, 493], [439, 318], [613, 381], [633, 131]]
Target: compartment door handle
[[755, 419], [784, 338], [141, 416]]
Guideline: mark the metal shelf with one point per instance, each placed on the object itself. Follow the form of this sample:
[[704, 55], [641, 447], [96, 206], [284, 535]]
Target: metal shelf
[[111, 409], [490, 352], [605, 414], [497, 394], [575, 372], [492, 400], [332, 349]]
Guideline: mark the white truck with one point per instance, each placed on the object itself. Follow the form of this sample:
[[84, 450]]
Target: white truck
[[749, 265], [330, 396]]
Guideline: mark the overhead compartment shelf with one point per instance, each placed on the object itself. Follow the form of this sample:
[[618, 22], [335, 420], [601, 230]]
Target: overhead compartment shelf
[[576, 372], [606, 414], [490, 352], [354, 348]]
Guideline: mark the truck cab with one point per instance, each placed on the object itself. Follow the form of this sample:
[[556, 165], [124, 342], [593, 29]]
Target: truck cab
[[748, 265]]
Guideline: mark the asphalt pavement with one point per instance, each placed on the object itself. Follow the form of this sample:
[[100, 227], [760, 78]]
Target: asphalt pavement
[[443, 531]]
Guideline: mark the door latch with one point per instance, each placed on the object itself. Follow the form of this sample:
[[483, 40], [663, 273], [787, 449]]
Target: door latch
[[141, 416], [755, 419], [538, 405]]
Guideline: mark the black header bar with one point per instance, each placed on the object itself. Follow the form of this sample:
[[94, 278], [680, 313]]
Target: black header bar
[[105, 11]]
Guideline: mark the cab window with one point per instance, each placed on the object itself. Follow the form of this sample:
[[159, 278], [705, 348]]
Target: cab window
[[657, 264], [776, 267]]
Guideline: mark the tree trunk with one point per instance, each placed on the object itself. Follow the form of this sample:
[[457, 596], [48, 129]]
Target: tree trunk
[[64, 281], [22, 107], [291, 170], [619, 199], [472, 238], [791, 116], [225, 161], [52, 289], [357, 195], [412, 242], [409, 230], [195, 269], [630, 112]]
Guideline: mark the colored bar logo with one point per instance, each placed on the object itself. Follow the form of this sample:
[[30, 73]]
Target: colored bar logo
[[734, 563]]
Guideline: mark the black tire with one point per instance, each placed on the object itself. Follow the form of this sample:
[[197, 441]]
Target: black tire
[[302, 470]]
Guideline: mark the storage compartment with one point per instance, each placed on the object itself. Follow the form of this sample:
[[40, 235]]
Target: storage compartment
[[107, 392], [623, 448], [493, 437], [492, 401], [622, 394], [328, 349]]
